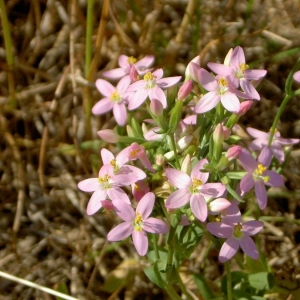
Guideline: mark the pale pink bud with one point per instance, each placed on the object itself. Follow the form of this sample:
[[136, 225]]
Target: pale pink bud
[[227, 132], [156, 107], [140, 189], [159, 159], [108, 135], [185, 90], [186, 165], [133, 73], [218, 134], [244, 107], [218, 205], [192, 68], [233, 152], [107, 204]]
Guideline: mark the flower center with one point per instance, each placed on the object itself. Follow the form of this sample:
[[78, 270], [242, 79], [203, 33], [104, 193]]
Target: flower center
[[195, 185], [237, 231], [242, 68], [115, 166], [259, 172], [138, 222], [115, 97], [223, 86], [131, 60], [150, 78], [104, 182]]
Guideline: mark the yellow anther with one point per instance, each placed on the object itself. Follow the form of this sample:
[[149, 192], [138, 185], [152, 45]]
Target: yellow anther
[[131, 60], [222, 81], [113, 163], [149, 76], [243, 67], [104, 179], [260, 169]]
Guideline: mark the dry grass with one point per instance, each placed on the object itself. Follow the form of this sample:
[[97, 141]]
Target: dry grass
[[46, 148]]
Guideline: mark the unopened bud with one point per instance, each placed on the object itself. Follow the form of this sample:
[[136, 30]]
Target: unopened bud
[[244, 107], [108, 135], [133, 73], [156, 107], [185, 90], [233, 152]]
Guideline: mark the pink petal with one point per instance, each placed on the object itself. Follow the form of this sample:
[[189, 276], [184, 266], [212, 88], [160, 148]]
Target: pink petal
[[178, 198], [120, 113], [106, 156], [207, 80], [138, 99], [168, 81], [123, 84], [104, 87], [157, 93], [124, 210], [265, 156], [249, 247], [115, 73], [219, 204], [196, 173], [140, 242], [231, 102], [102, 106], [275, 179], [147, 61], [229, 249], [140, 84], [122, 157], [261, 194], [145, 206], [254, 74], [213, 190], [252, 227], [257, 133], [248, 161], [199, 207], [120, 232], [154, 225], [296, 76], [118, 194], [220, 69], [207, 102], [249, 89], [247, 183], [237, 57], [89, 185], [219, 229], [95, 202], [138, 173], [123, 61], [159, 73], [178, 178]]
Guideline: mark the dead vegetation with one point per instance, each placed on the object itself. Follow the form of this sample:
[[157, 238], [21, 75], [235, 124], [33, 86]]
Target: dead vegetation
[[48, 142]]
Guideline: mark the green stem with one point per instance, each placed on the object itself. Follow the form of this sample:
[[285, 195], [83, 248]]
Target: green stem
[[278, 115], [229, 281], [173, 148], [172, 293]]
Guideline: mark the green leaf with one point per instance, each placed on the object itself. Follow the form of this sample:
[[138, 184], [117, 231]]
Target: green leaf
[[261, 280], [203, 287], [156, 275]]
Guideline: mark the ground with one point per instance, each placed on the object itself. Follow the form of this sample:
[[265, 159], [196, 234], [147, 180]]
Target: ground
[[48, 142]]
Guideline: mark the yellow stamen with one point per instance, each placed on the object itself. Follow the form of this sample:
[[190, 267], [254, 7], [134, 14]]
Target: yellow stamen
[[244, 67], [223, 81], [138, 222], [115, 96], [195, 184], [131, 60], [260, 169]]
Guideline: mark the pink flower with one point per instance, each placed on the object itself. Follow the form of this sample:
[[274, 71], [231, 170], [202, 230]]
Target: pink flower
[[126, 63], [236, 235], [258, 175], [193, 189], [136, 151], [219, 89], [151, 86], [115, 99], [118, 164], [262, 140], [240, 72], [137, 223], [108, 135], [139, 189], [106, 185]]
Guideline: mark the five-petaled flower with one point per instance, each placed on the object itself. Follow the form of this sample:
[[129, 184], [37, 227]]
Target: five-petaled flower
[[236, 235], [193, 189], [258, 175], [137, 223]]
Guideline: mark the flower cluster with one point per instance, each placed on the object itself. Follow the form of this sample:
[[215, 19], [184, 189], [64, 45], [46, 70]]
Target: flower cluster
[[182, 162]]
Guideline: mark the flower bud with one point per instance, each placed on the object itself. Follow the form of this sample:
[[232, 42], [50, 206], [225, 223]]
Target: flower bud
[[108, 135], [185, 90], [186, 165], [133, 73], [244, 107], [156, 107], [140, 189], [191, 71], [233, 152], [218, 135]]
